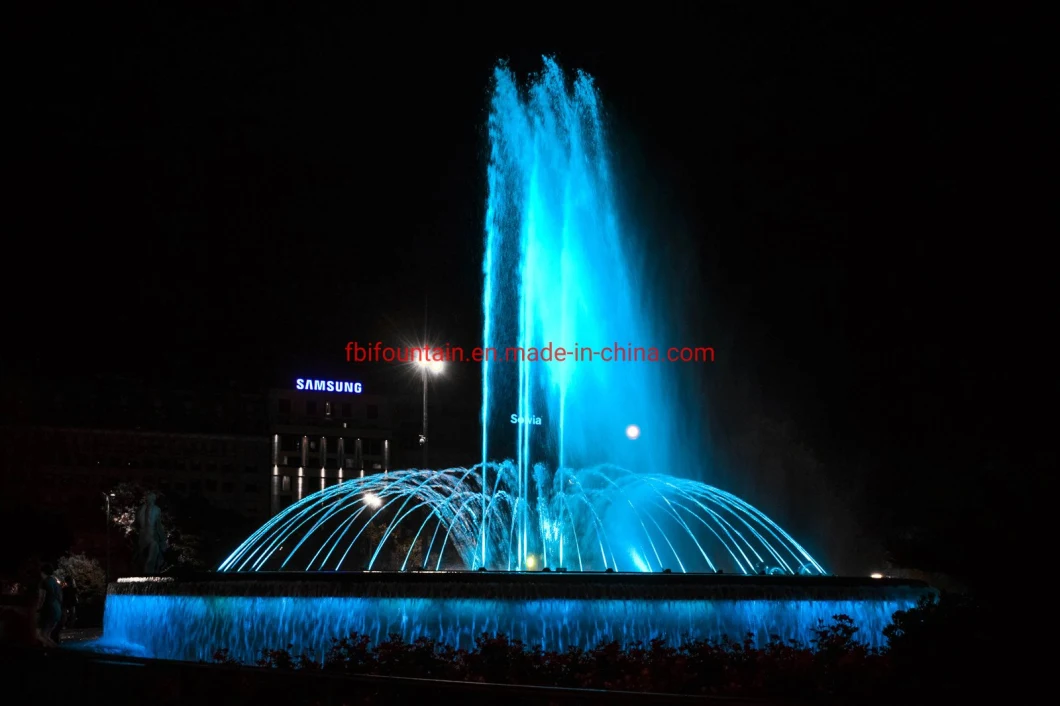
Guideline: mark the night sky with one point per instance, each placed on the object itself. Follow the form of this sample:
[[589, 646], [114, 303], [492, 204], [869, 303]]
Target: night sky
[[844, 201]]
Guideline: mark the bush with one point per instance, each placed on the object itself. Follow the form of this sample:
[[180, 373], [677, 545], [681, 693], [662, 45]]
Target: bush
[[837, 664], [87, 573], [834, 664], [91, 586], [939, 643]]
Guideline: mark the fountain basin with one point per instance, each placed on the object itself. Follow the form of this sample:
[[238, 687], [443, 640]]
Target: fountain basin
[[192, 617]]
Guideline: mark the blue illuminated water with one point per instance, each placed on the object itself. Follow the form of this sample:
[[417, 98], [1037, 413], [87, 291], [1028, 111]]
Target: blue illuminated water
[[595, 518], [579, 492], [192, 627], [559, 270]]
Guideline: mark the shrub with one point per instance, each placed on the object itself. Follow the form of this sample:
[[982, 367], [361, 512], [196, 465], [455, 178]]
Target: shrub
[[834, 664], [702, 667], [89, 575], [937, 644]]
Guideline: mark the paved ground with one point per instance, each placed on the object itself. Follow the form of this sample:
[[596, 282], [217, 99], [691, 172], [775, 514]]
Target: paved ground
[[81, 634], [120, 681]]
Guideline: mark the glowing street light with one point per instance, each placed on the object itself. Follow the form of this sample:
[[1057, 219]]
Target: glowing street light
[[875, 576], [434, 366], [427, 367], [107, 497]]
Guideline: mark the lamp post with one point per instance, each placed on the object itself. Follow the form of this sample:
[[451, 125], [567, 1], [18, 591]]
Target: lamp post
[[427, 367], [107, 497]]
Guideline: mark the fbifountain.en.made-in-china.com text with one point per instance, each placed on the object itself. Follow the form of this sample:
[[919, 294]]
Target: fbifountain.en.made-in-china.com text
[[378, 352]]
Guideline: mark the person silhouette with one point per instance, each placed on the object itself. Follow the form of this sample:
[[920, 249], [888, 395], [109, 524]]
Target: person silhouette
[[70, 601], [50, 609]]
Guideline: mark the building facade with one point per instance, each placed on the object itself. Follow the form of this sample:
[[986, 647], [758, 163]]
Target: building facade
[[70, 467], [64, 444], [325, 432], [245, 452], [322, 437]]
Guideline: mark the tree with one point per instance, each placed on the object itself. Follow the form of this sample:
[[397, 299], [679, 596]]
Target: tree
[[126, 499], [203, 534], [199, 534], [395, 548], [88, 574]]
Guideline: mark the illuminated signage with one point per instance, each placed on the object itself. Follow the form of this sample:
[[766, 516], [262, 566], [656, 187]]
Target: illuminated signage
[[533, 421], [328, 386]]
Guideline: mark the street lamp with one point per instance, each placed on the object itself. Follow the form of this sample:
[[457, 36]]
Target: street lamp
[[107, 497], [426, 367]]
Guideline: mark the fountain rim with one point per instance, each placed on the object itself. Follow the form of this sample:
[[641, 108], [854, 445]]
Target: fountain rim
[[684, 576], [680, 583]]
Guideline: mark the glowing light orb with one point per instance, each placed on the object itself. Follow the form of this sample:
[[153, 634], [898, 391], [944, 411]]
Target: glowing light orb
[[372, 500], [633, 432], [433, 366]]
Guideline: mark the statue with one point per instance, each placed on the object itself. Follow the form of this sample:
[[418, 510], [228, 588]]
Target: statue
[[151, 540]]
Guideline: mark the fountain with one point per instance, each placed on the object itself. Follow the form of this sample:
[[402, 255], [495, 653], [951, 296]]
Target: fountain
[[561, 545]]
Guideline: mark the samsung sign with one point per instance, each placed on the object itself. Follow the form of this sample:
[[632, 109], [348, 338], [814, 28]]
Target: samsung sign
[[328, 386]]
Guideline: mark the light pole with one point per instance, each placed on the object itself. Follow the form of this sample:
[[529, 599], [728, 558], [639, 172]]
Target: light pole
[[427, 367], [107, 497]]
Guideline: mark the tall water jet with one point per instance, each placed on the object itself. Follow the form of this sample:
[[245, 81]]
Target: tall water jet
[[572, 365], [559, 273]]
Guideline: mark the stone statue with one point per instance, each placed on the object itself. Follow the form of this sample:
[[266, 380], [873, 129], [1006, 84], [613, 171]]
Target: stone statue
[[151, 538]]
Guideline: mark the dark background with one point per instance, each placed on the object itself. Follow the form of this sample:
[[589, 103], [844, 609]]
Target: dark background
[[844, 200]]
